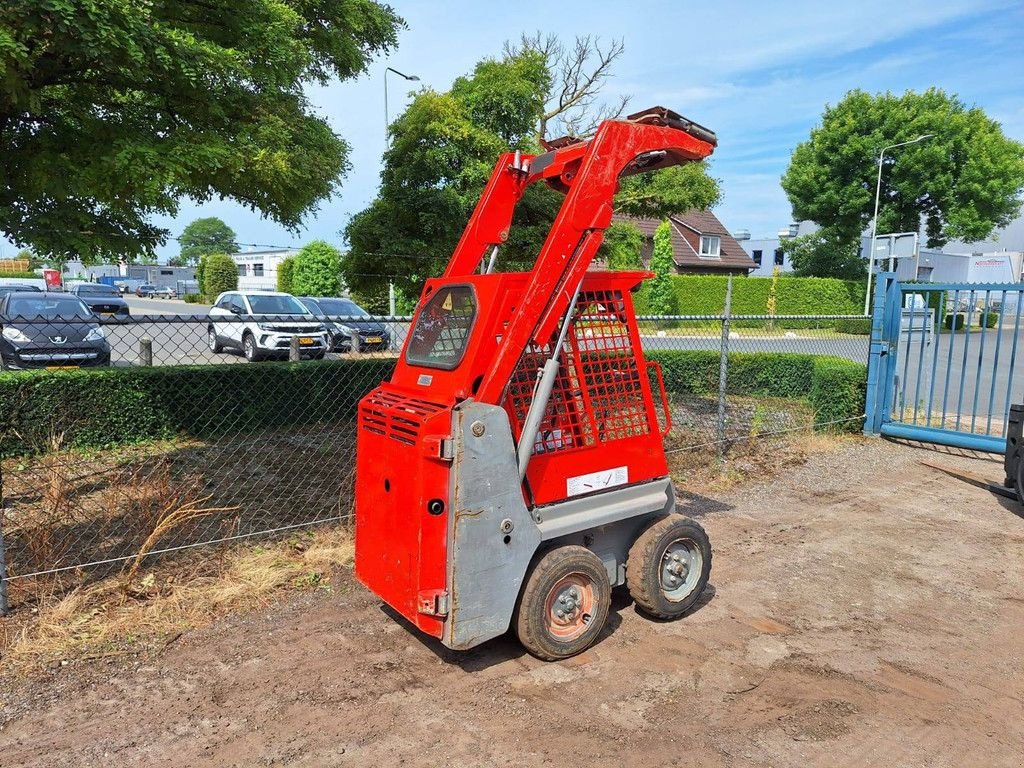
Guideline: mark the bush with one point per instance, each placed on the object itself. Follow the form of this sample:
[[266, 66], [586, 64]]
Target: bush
[[192, 298], [116, 406], [317, 270], [860, 326], [220, 273], [954, 322], [833, 386], [991, 320], [285, 274], [20, 275], [705, 295]]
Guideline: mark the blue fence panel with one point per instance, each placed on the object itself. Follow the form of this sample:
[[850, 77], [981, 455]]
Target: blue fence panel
[[943, 362]]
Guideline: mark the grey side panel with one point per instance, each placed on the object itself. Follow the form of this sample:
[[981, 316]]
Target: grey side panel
[[485, 572], [587, 512]]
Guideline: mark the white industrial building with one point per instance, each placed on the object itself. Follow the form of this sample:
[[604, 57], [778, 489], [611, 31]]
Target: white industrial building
[[257, 270]]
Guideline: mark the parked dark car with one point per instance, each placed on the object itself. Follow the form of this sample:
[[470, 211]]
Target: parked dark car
[[104, 300], [373, 335], [49, 330], [6, 288]]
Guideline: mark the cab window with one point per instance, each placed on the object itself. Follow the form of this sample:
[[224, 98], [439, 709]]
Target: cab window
[[442, 329]]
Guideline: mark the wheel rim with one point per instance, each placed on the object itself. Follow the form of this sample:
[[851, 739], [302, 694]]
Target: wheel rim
[[680, 568], [250, 347], [211, 338], [569, 608]]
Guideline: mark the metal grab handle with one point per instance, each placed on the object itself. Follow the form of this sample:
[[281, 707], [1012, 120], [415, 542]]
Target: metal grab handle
[[664, 397]]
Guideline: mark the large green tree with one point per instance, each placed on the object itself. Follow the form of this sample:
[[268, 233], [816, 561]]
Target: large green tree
[[111, 111], [443, 149], [203, 237], [825, 253], [962, 183], [317, 270]]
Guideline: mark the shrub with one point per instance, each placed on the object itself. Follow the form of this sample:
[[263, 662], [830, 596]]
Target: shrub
[[705, 295], [115, 406], [860, 326], [954, 322], [285, 274], [833, 386], [192, 298], [317, 270], [662, 294], [837, 393], [991, 320], [220, 273], [20, 275]]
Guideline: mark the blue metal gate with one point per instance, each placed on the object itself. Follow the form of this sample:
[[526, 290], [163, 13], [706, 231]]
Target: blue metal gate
[[942, 362]]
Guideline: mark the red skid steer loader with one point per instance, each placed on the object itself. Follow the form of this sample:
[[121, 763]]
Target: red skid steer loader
[[512, 470]]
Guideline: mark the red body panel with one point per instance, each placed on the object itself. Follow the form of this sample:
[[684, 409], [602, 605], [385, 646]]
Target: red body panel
[[485, 336]]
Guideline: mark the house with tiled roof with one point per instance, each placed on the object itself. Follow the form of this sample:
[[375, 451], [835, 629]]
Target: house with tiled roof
[[701, 245]]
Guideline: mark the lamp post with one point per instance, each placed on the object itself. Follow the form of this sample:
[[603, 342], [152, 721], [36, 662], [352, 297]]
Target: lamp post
[[387, 120], [387, 143], [874, 221]]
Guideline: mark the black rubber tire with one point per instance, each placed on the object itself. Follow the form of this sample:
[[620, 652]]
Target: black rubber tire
[[318, 355], [531, 615], [643, 566], [249, 348], [212, 342]]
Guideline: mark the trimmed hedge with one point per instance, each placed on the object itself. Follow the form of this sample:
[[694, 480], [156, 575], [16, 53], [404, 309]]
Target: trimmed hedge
[[833, 386], [705, 295], [117, 406], [860, 326]]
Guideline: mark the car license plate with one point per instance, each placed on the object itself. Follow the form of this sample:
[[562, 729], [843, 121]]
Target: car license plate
[[108, 314], [61, 367], [373, 339], [306, 341]]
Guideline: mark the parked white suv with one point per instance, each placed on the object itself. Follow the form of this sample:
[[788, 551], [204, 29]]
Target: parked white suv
[[262, 324]]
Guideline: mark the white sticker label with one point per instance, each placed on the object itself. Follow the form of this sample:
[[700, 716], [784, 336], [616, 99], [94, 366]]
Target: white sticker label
[[596, 481], [425, 380]]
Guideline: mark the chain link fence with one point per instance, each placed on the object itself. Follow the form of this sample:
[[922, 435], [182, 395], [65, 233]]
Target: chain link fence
[[174, 431]]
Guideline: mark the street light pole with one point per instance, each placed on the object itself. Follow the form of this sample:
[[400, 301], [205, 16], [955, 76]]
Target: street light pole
[[387, 143], [387, 120], [874, 220]]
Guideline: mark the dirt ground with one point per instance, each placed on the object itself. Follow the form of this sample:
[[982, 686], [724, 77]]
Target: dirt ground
[[865, 610]]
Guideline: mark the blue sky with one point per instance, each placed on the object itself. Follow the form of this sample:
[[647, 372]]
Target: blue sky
[[759, 74]]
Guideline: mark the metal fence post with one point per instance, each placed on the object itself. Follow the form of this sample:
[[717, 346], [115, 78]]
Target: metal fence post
[[353, 341], [293, 350], [723, 369], [146, 351], [3, 553]]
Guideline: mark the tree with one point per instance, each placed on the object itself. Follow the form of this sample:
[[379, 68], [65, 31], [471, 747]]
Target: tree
[[220, 273], [662, 298], [963, 182], [317, 270], [622, 246], [110, 112], [825, 253], [572, 103], [443, 150], [203, 237], [286, 274]]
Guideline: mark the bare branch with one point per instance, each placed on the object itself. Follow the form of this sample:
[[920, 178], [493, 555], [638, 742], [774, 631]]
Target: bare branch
[[573, 103]]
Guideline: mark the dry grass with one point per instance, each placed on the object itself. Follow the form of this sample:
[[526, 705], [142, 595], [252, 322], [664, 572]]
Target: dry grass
[[748, 460], [104, 619]]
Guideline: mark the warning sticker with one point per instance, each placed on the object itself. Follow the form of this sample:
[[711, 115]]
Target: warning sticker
[[447, 304], [596, 481]]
